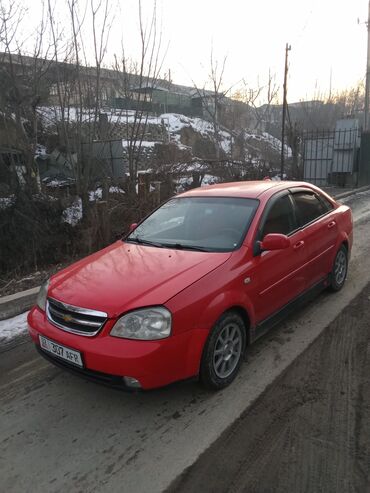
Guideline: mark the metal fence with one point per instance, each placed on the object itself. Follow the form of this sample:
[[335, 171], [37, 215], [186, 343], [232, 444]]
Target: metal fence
[[331, 157]]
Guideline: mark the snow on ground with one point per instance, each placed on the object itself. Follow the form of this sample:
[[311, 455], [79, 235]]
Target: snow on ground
[[176, 122], [98, 193], [144, 143], [51, 115], [184, 182], [210, 180], [73, 214], [40, 151], [172, 122], [95, 194], [278, 177], [6, 201], [57, 182], [276, 143], [13, 327], [116, 190], [225, 142]]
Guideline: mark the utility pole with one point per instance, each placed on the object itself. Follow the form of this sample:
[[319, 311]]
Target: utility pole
[[367, 88], [287, 48]]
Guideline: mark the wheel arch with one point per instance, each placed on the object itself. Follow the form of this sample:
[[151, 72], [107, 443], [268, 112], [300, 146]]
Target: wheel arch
[[240, 310], [342, 240], [333, 284], [345, 244]]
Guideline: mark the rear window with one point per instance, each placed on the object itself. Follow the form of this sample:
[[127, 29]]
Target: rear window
[[309, 207], [327, 204]]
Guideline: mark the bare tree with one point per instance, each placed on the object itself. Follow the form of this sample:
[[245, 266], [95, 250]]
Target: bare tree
[[78, 85], [23, 86], [212, 100], [137, 80], [323, 111], [253, 97]]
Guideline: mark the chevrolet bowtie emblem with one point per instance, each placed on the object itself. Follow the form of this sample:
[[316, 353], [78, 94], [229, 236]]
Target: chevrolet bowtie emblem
[[67, 318]]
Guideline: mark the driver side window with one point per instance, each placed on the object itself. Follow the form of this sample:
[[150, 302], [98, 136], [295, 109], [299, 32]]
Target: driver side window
[[280, 218]]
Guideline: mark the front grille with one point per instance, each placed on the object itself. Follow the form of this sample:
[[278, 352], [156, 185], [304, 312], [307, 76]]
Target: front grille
[[81, 321]]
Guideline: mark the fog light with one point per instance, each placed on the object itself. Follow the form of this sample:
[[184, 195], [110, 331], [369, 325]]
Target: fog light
[[132, 382]]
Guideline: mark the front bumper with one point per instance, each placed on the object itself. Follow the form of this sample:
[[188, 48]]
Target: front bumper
[[152, 363], [114, 381]]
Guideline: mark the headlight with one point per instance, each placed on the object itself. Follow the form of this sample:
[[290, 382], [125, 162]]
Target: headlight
[[41, 297], [146, 324]]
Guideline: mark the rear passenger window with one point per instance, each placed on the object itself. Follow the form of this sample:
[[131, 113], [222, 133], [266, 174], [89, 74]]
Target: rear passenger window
[[327, 204], [309, 207], [280, 218]]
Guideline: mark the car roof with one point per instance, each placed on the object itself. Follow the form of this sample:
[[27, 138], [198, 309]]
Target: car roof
[[247, 189]]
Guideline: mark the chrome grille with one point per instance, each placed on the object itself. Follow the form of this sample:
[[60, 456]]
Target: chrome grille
[[81, 321]]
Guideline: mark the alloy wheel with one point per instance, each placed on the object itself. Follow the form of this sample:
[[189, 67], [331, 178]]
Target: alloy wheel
[[227, 350], [340, 267]]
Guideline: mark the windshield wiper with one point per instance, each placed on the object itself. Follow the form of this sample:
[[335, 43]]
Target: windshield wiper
[[181, 246], [141, 241], [178, 246]]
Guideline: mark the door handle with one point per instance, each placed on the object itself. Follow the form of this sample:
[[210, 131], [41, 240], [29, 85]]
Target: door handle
[[331, 224], [298, 245]]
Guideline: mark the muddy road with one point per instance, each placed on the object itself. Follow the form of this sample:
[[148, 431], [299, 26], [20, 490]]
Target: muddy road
[[59, 432], [309, 432]]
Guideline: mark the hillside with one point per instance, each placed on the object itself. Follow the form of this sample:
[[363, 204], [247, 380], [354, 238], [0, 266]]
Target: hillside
[[169, 138]]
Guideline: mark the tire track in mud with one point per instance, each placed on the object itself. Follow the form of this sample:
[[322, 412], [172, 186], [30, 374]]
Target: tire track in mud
[[309, 431]]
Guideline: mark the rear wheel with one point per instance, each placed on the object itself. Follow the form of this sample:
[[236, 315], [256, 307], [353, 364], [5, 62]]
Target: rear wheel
[[223, 352], [339, 270]]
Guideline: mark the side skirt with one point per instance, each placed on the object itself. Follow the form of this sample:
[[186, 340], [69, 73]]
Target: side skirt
[[286, 310]]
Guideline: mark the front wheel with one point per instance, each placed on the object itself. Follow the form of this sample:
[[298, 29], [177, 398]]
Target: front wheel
[[223, 352], [339, 270]]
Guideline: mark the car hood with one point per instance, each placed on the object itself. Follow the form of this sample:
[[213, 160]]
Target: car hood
[[124, 276]]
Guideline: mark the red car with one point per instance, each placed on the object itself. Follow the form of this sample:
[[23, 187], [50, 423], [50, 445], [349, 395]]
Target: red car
[[193, 284]]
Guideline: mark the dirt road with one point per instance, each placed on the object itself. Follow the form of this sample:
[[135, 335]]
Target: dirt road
[[58, 432], [310, 432]]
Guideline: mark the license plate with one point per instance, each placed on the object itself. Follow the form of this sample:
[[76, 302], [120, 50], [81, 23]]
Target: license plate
[[60, 351]]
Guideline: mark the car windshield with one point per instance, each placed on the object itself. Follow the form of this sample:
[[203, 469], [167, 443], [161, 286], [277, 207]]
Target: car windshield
[[197, 223]]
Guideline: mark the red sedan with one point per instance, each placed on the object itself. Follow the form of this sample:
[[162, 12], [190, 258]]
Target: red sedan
[[193, 284]]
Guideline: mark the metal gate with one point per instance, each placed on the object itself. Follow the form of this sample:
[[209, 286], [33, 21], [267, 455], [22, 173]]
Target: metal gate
[[331, 157]]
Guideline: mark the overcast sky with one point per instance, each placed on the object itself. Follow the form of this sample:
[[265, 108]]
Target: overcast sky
[[324, 35]]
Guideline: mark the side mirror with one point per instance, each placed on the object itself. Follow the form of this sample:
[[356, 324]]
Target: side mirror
[[275, 241], [132, 227]]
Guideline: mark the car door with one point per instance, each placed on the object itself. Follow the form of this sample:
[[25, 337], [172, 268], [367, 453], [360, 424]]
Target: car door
[[317, 220], [278, 276]]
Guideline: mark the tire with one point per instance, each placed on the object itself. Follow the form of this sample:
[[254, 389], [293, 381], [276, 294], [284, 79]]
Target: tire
[[223, 352], [339, 271]]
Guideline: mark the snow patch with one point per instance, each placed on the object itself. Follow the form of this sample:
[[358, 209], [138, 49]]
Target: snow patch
[[95, 194], [6, 202], [55, 182], [40, 151], [73, 214], [276, 143], [116, 190], [13, 327], [144, 143], [172, 123], [210, 180]]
